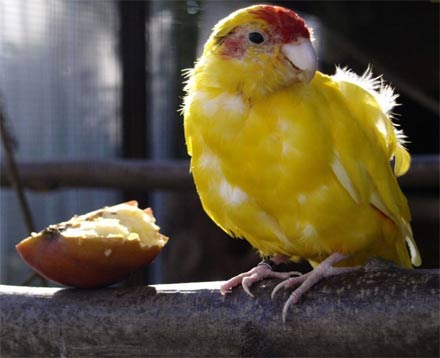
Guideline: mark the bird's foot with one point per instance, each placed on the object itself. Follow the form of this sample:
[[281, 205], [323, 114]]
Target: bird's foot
[[306, 281], [263, 270]]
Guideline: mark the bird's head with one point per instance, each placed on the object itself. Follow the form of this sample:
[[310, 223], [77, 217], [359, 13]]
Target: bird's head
[[259, 49]]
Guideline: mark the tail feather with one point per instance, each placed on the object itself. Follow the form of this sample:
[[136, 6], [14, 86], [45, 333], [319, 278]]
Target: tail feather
[[402, 160], [412, 246]]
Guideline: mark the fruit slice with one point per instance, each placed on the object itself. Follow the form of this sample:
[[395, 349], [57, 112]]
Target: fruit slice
[[95, 249]]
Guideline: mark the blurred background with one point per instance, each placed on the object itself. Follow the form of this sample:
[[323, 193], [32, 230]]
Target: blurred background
[[94, 81]]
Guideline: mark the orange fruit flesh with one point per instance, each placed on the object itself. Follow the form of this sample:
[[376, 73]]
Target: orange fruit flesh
[[95, 249]]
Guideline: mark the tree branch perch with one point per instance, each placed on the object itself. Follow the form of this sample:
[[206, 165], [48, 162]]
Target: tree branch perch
[[376, 312]]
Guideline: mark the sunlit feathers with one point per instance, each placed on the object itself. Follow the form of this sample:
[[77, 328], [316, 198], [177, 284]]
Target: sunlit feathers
[[297, 169]]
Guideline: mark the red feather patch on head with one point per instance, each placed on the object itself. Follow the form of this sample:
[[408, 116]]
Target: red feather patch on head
[[284, 21]]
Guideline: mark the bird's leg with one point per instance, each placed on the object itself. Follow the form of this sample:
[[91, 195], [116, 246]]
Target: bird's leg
[[263, 270], [306, 281]]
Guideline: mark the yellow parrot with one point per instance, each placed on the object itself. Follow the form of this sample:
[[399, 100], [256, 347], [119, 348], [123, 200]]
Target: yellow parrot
[[292, 160]]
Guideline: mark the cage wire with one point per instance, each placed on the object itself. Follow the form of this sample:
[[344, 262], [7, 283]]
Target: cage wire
[[61, 86], [60, 81]]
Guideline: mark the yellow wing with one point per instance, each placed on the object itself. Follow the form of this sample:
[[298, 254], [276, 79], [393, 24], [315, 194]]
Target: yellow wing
[[364, 171]]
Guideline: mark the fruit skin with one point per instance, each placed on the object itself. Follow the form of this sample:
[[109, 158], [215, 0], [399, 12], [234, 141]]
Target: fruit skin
[[84, 263]]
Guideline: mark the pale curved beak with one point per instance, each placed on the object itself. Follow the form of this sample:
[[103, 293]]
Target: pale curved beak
[[302, 55]]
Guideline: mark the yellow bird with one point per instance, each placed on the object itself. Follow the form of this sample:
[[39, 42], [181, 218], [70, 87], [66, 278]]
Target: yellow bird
[[292, 160]]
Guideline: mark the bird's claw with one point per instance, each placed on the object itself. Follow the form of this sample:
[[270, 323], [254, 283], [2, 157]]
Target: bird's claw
[[291, 301], [291, 281], [224, 291], [277, 288], [247, 283], [306, 281], [254, 275]]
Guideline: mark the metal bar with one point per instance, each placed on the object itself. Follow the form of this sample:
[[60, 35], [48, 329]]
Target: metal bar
[[163, 175], [11, 173], [14, 179], [133, 45], [133, 16], [121, 174]]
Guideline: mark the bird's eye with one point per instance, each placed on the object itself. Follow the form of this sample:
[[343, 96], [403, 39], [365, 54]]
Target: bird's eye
[[256, 37]]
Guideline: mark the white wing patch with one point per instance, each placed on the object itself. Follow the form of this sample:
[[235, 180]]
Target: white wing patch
[[209, 160], [230, 194], [413, 250], [223, 102], [302, 198], [309, 231], [274, 227], [379, 205], [403, 224], [283, 125], [341, 174]]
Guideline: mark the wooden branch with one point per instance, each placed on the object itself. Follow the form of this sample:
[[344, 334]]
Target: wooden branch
[[164, 174], [375, 312]]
